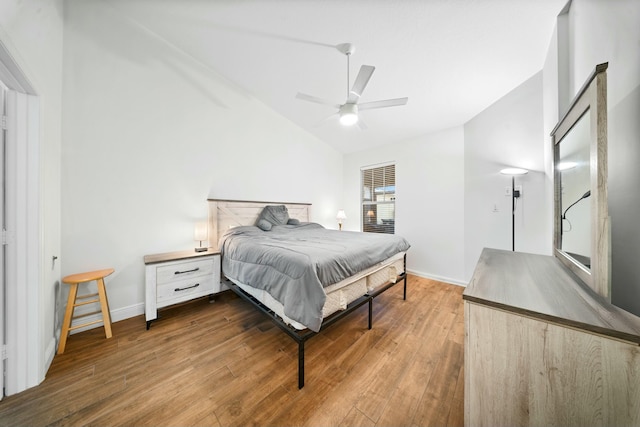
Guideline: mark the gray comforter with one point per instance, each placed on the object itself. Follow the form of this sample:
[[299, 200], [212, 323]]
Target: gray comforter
[[295, 262]]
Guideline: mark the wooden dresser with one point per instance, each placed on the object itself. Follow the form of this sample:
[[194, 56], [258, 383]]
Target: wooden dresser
[[541, 348]]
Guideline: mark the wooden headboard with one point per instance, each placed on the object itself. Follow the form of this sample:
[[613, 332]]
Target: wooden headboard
[[225, 214]]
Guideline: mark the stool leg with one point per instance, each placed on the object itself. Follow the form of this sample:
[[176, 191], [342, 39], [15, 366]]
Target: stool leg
[[68, 314], [104, 304]]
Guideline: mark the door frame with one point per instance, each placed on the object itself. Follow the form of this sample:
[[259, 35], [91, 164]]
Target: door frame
[[3, 96], [24, 363]]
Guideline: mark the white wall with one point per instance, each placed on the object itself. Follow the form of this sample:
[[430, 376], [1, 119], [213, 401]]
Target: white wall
[[429, 200], [600, 32], [550, 101], [32, 31], [506, 134], [149, 134]]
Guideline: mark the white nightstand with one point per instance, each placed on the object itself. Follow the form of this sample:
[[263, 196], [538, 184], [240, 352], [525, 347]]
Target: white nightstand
[[176, 277]]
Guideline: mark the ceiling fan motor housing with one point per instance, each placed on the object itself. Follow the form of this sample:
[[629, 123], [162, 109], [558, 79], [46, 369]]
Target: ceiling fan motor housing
[[346, 48]]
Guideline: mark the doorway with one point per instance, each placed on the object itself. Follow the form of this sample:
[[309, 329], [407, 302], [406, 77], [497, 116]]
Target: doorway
[[22, 355]]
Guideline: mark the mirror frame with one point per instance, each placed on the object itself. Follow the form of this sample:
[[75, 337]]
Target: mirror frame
[[591, 97]]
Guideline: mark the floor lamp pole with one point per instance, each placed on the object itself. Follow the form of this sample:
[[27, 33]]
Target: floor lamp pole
[[513, 172], [513, 213]]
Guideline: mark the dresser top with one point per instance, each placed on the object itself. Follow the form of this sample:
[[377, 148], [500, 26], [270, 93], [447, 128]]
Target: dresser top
[[539, 286], [175, 256]]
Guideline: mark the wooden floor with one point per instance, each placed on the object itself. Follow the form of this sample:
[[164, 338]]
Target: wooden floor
[[225, 364]]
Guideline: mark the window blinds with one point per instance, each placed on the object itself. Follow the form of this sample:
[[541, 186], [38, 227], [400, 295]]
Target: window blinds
[[378, 197]]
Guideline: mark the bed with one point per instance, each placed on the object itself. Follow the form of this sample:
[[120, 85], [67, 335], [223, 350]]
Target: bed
[[302, 275]]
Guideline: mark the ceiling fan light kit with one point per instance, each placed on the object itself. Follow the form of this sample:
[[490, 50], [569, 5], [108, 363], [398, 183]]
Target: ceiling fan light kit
[[348, 112]]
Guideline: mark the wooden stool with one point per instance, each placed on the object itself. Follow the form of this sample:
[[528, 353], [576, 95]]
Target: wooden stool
[[74, 280]]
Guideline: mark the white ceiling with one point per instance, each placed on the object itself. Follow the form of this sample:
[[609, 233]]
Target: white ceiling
[[452, 58]]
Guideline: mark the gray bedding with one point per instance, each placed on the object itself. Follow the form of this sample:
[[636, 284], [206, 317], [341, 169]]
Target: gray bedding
[[295, 262]]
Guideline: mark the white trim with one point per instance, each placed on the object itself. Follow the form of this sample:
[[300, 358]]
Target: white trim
[[11, 74], [116, 315], [25, 367], [377, 165], [438, 278], [23, 249], [3, 355]]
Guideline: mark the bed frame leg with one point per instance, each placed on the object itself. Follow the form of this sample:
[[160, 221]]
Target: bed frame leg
[[404, 297], [370, 312], [300, 364]]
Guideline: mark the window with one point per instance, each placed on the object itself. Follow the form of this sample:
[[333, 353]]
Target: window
[[378, 199]]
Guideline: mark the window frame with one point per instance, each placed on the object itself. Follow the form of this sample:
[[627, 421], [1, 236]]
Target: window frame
[[379, 180]]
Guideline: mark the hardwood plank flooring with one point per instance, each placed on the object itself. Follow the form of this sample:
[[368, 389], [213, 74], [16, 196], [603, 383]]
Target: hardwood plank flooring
[[225, 364]]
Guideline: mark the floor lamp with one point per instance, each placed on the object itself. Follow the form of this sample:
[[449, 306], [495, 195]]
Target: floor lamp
[[514, 195]]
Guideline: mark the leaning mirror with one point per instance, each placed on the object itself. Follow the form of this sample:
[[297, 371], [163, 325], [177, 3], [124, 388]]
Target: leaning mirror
[[575, 189], [581, 222]]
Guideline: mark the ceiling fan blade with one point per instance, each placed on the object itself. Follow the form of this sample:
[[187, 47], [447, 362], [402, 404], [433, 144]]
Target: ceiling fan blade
[[317, 100], [326, 120], [361, 82], [362, 125], [383, 104]]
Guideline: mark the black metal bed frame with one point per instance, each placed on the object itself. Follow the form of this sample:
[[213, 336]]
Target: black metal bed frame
[[301, 336]]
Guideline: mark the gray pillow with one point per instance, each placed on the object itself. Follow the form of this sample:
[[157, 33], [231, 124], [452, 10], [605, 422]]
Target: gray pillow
[[293, 221], [276, 215], [264, 225]]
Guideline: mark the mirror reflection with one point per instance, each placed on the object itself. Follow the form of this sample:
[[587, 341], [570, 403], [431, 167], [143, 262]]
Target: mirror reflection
[[575, 181]]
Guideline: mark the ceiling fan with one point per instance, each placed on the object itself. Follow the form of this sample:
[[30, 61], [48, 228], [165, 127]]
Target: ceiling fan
[[348, 111]]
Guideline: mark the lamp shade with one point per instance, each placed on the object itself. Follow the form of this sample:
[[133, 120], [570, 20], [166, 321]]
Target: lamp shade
[[341, 215], [514, 171], [201, 233]]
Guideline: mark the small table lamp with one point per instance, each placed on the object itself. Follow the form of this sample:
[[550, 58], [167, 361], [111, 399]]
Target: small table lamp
[[340, 216], [370, 215], [201, 234]]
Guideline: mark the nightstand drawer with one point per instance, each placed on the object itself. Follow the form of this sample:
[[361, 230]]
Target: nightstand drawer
[[184, 290], [180, 271]]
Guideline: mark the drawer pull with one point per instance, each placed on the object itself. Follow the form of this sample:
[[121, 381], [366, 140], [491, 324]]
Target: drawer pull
[[187, 271], [188, 287]]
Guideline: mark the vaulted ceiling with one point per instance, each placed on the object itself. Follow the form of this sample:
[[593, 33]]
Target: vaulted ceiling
[[451, 58]]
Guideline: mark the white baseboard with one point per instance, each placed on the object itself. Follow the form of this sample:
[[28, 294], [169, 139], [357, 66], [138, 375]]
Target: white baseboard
[[438, 278], [116, 315], [50, 353]]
